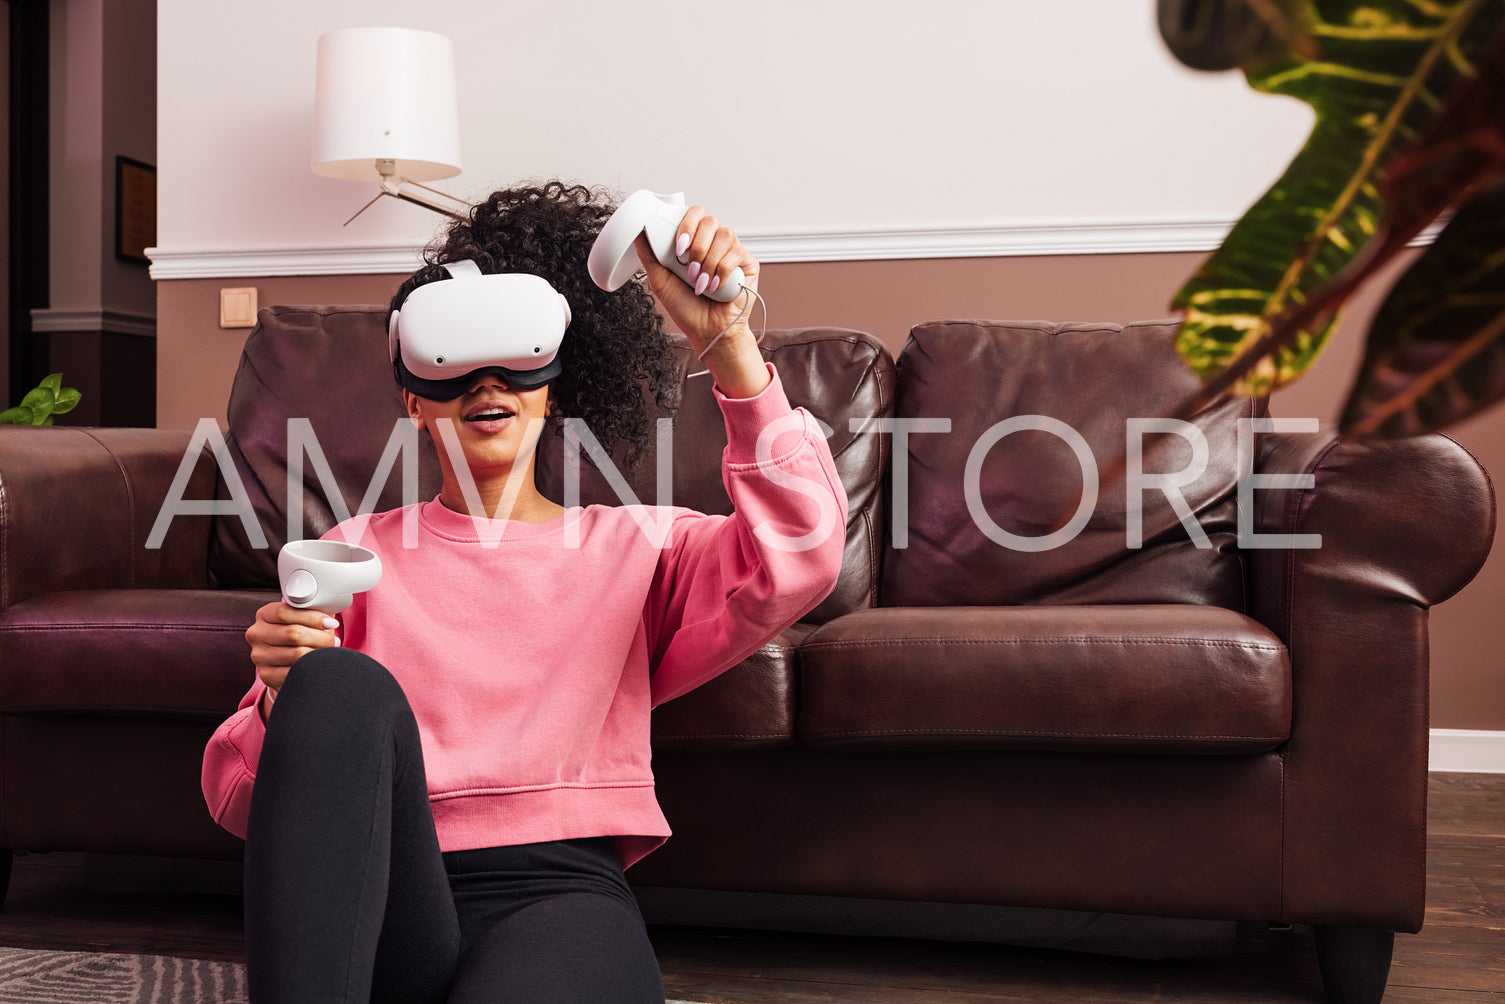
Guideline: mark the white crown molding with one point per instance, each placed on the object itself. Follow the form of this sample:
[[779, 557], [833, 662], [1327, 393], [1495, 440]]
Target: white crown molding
[[987, 242], [215, 263], [1467, 751], [769, 246], [119, 322]]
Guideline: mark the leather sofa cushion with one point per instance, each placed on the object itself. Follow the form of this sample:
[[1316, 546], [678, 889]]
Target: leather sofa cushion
[[128, 652], [1093, 378], [1136, 679], [285, 373], [749, 707]]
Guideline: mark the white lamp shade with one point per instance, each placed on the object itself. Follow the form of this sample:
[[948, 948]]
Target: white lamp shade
[[386, 94]]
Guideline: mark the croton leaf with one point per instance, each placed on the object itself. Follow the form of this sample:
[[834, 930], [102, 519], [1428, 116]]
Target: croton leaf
[[1376, 72], [1436, 350]]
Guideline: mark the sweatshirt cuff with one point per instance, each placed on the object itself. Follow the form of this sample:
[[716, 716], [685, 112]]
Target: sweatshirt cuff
[[747, 417]]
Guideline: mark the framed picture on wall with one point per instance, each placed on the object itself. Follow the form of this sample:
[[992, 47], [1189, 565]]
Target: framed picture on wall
[[135, 209]]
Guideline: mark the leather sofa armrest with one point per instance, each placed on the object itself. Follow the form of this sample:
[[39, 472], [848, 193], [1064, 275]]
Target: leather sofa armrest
[[1411, 518], [1404, 524], [77, 506]]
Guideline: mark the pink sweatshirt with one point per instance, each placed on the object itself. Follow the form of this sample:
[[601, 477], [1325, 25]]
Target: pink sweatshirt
[[531, 653]]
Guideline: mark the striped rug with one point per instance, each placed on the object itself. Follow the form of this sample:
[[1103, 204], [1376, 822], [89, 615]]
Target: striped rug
[[33, 977]]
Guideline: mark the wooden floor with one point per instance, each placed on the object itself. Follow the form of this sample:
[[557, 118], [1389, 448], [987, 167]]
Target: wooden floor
[[1458, 957]]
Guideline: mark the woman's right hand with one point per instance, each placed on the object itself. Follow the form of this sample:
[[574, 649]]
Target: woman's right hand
[[281, 636]]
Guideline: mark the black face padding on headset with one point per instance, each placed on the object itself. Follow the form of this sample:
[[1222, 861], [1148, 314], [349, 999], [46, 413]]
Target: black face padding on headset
[[448, 390]]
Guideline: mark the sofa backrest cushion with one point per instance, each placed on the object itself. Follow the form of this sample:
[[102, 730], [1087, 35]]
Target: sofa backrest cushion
[[328, 364], [1090, 379]]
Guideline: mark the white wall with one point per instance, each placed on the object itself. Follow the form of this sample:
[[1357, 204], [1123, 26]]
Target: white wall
[[786, 116]]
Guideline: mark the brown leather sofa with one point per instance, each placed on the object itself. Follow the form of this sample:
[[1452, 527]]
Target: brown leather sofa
[[1186, 728]]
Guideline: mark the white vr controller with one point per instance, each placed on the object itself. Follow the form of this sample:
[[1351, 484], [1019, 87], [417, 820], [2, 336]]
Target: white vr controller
[[612, 259], [325, 574]]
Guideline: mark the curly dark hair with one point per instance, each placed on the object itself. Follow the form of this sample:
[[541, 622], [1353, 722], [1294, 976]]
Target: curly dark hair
[[616, 344]]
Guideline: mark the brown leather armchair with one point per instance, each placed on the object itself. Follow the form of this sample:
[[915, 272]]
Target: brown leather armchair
[[994, 705]]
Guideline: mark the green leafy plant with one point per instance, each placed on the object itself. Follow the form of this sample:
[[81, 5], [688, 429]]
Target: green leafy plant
[[1409, 129], [43, 401]]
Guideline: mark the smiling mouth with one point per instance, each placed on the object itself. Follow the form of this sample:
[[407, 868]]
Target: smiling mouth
[[490, 415]]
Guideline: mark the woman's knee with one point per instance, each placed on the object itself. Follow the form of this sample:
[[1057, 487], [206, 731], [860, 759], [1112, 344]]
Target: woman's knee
[[341, 672], [344, 685]]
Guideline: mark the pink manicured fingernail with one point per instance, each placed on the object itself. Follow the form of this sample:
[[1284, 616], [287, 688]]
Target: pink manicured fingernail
[[337, 641], [715, 282], [681, 245], [694, 271], [331, 623], [702, 283]]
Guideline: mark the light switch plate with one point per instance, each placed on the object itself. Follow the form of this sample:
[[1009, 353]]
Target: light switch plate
[[237, 307]]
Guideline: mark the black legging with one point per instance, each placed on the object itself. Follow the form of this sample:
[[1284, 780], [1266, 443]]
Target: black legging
[[348, 898]]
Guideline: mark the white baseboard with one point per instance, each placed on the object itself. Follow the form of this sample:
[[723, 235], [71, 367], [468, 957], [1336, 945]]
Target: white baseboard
[[1467, 751]]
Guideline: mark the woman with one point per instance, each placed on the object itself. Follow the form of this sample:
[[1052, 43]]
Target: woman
[[441, 788]]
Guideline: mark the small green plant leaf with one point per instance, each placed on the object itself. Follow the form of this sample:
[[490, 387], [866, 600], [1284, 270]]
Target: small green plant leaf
[[1436, 349], [1375, 73], [46, 399], [39, 399], [67, 400]]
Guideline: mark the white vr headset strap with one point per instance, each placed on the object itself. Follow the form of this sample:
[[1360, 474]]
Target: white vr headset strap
[[463, 269]]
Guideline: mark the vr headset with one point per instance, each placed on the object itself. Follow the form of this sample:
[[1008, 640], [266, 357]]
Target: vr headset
[[448, 333]]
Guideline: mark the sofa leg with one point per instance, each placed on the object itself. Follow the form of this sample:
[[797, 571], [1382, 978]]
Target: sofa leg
[[6, 857], [1355, 962]]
